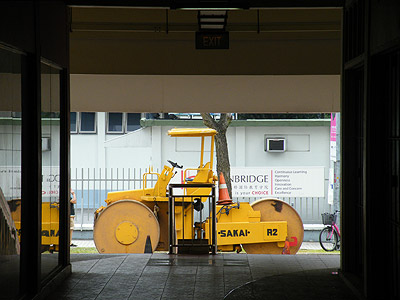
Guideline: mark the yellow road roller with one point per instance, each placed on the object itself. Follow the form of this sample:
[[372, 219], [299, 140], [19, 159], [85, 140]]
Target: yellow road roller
[[136, 221], [50, 223]]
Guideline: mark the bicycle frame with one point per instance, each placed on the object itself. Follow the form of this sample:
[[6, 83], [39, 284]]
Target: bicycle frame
[[334, 227], [337, 229]]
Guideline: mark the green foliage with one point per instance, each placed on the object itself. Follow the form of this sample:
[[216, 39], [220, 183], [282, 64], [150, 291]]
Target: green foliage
[[83, 250]]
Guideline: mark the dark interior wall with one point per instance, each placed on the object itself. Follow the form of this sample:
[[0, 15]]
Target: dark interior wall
[[370, 124], [385, 24], [17, 28], [39, 30], [352, 185], [17, 24], [53, 32], [382, 125], [384, 196], [384, 122]]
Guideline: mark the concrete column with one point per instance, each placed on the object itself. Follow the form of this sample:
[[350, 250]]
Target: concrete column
[[240, 146], [101, 138], [156, 147]]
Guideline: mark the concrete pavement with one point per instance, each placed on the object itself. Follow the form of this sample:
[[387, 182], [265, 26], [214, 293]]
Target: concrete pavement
[[230, 275]]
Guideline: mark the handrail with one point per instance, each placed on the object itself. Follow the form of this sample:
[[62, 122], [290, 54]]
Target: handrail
[[145, 178]]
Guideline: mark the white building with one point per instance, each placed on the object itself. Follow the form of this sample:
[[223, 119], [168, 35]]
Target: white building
[[307, 144]]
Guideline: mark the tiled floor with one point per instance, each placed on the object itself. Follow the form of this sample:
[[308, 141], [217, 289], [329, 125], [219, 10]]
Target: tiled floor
[[163, 276], [311, 285]]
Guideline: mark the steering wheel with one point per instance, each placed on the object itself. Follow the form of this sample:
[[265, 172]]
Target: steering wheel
[[174, 164]]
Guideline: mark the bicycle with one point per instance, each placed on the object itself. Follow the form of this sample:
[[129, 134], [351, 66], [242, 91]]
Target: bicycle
[[329, 238]]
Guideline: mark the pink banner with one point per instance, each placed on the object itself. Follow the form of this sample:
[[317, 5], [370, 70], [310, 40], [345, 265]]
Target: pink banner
[[333, 127]]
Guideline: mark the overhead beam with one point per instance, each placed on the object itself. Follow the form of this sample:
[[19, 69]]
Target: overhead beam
[[225, 4], [180, 93], [162, 27]]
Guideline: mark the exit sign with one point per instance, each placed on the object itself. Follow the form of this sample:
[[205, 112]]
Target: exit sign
[[212, 40]]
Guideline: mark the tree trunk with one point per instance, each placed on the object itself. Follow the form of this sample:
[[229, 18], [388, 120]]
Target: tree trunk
[[221, 145]]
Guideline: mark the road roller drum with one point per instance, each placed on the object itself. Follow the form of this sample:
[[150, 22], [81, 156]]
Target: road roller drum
[[277, 210], [268, 226], [126, 226]]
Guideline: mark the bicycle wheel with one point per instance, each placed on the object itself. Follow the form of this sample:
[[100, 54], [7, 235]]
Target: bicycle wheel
[[328, 238]]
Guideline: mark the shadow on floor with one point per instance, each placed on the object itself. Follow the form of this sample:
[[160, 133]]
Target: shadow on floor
[[311, 285]]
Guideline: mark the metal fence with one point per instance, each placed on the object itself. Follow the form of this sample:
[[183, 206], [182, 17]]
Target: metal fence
[[91, 186]]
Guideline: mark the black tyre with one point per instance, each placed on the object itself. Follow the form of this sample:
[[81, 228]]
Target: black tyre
[[328, 238]]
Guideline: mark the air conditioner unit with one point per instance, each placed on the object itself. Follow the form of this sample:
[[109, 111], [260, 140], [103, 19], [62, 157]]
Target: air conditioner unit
[[274, 144]]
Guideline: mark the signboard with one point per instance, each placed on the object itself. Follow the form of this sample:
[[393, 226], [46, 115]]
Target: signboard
[[333, 138], [10, 181], [278, 182], [212, 40], [50, 182]]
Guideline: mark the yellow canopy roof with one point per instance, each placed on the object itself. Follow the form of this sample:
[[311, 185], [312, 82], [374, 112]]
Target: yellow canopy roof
[[192, 132]]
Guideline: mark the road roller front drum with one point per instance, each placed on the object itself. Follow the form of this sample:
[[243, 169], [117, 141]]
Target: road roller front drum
[[126, 226]]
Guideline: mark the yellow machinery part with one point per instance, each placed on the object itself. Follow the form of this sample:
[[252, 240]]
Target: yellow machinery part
[[191, 132], [126, 226], [250, 233], [184, 221], [276, 210], [50, 223], [258, 228]]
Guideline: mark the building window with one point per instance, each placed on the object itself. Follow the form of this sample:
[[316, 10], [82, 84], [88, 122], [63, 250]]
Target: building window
[[74, 122], [115, 123], [133, 122], [83, 122], [122, 122], [87, 122]]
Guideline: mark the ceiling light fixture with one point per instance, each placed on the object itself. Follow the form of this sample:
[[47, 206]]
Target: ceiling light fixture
[[212, 19]]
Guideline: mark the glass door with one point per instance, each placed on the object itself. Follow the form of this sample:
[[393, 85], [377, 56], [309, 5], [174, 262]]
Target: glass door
[[50, 123], [10, 171]]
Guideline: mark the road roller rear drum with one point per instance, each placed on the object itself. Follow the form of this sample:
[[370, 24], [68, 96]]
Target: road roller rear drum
[[277, 210]]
